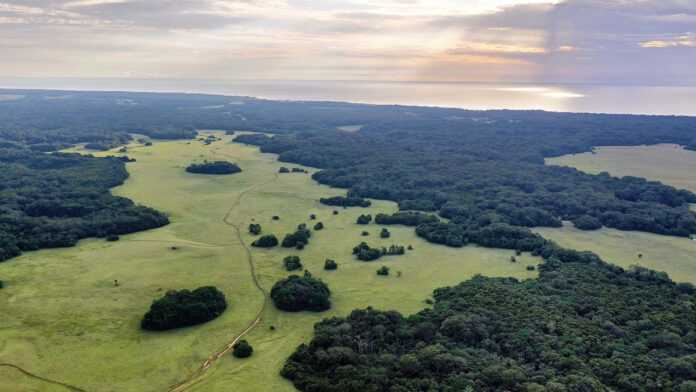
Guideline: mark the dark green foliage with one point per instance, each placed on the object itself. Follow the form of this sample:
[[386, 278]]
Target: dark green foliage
[[365, 233], [2, 284], [330, 265], [383, 271], [276, 217], [312, 216], [284, 170], [296, 294], [587, 222], [112, 238], [343, 201], [365, 253], [184, 308], [405, 218], [217, 167], [298, 170], [319, 226], [335, 212], [254, 228], [579, 327], [242, 349], [267, 241], [300, 236], [384, 233], [364, 219], [97, 146], [54, 200], [531, 268], [292, 263]]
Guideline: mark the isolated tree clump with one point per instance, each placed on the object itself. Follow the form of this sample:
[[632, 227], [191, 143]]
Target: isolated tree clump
[[319, 226], [184, 308], [267, 241], [299, 238], [330, 265], [383, 271], [384, 233], [364, 219], [255, 229], [292, 263], [365, 253], [300, 293], [217, 167], [242, 349], [342, 201]]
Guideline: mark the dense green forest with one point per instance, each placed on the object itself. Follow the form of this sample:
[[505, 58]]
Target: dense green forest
[[579, 327], [54, 200]]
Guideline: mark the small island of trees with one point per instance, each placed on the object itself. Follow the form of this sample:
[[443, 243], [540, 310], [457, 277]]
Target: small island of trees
[[365, 253], [217, 167], [184, 308], [300, 293], [298, 239], [343, 201], [267, 241], [292, 263]]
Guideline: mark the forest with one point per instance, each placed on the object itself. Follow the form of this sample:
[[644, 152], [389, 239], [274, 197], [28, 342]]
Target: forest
[[54, 200]]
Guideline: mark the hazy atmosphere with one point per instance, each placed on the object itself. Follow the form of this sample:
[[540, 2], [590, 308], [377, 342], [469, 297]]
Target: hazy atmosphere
[[576, 41]]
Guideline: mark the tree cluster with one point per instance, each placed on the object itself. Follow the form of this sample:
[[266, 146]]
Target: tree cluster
[[292, 263], [364, 219], [266, 241], [366, 253], [342, 201], [300, 293], [299, 239], [217, 167], [184, 308]]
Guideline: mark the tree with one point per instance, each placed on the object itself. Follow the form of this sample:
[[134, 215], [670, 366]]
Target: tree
[[242, 349], [254, 229], [267, 241], [330, 265], [184, 308], [383, 271], [384, 233], [364, 219], [319, 226], [292, 263], [284, 170], [295, 294]]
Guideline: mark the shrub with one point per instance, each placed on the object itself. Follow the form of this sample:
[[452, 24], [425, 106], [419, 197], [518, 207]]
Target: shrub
[[275, 217], [383, 271], [312, 216], [184, 308], [242, 349], [296, 294], [531, 268], [284, 170], [384, 233], [292, 263], [267, 241], [255, 229], [364, 219], [319, 226], [365, 233], [330, 265]]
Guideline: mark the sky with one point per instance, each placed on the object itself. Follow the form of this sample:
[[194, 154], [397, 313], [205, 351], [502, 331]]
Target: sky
[[571, 41]]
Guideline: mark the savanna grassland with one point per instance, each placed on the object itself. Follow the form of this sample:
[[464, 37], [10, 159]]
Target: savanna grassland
[[67, 321], [667, 163]]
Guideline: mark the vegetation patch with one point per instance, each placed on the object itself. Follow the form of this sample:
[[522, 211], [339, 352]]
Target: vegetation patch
[[266, 241], [184, 308], [300, 293], [300, 238], [242, 349], [365, 253], [217, 167], [343, 201]]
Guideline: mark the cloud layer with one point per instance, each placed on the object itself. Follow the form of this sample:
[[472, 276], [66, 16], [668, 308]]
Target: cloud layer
[[640, 41]]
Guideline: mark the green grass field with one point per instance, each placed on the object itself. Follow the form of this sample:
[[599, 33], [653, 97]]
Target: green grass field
[[667, 163], [64, 319]]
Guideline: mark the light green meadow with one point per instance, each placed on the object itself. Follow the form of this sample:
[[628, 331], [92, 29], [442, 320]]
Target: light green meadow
[[667, 163], [64, 319]]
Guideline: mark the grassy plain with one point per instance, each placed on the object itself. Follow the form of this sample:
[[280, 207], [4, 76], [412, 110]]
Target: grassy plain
[[667, 163], [64, 319]]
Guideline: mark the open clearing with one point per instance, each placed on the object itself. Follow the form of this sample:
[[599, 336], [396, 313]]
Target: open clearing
[[63, 319], [667, 163]]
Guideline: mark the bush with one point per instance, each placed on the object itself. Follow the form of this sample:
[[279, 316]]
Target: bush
[[384, 233], [319, 226], [330, 265], [296, 294], [267, 241], [383, 271], [292, 263], [255, 229], [218, 168], [365, 233], [275, 217], [364, 219], [184, 308], [242, 349], [531, 268], [312, 216], [284, 170]]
